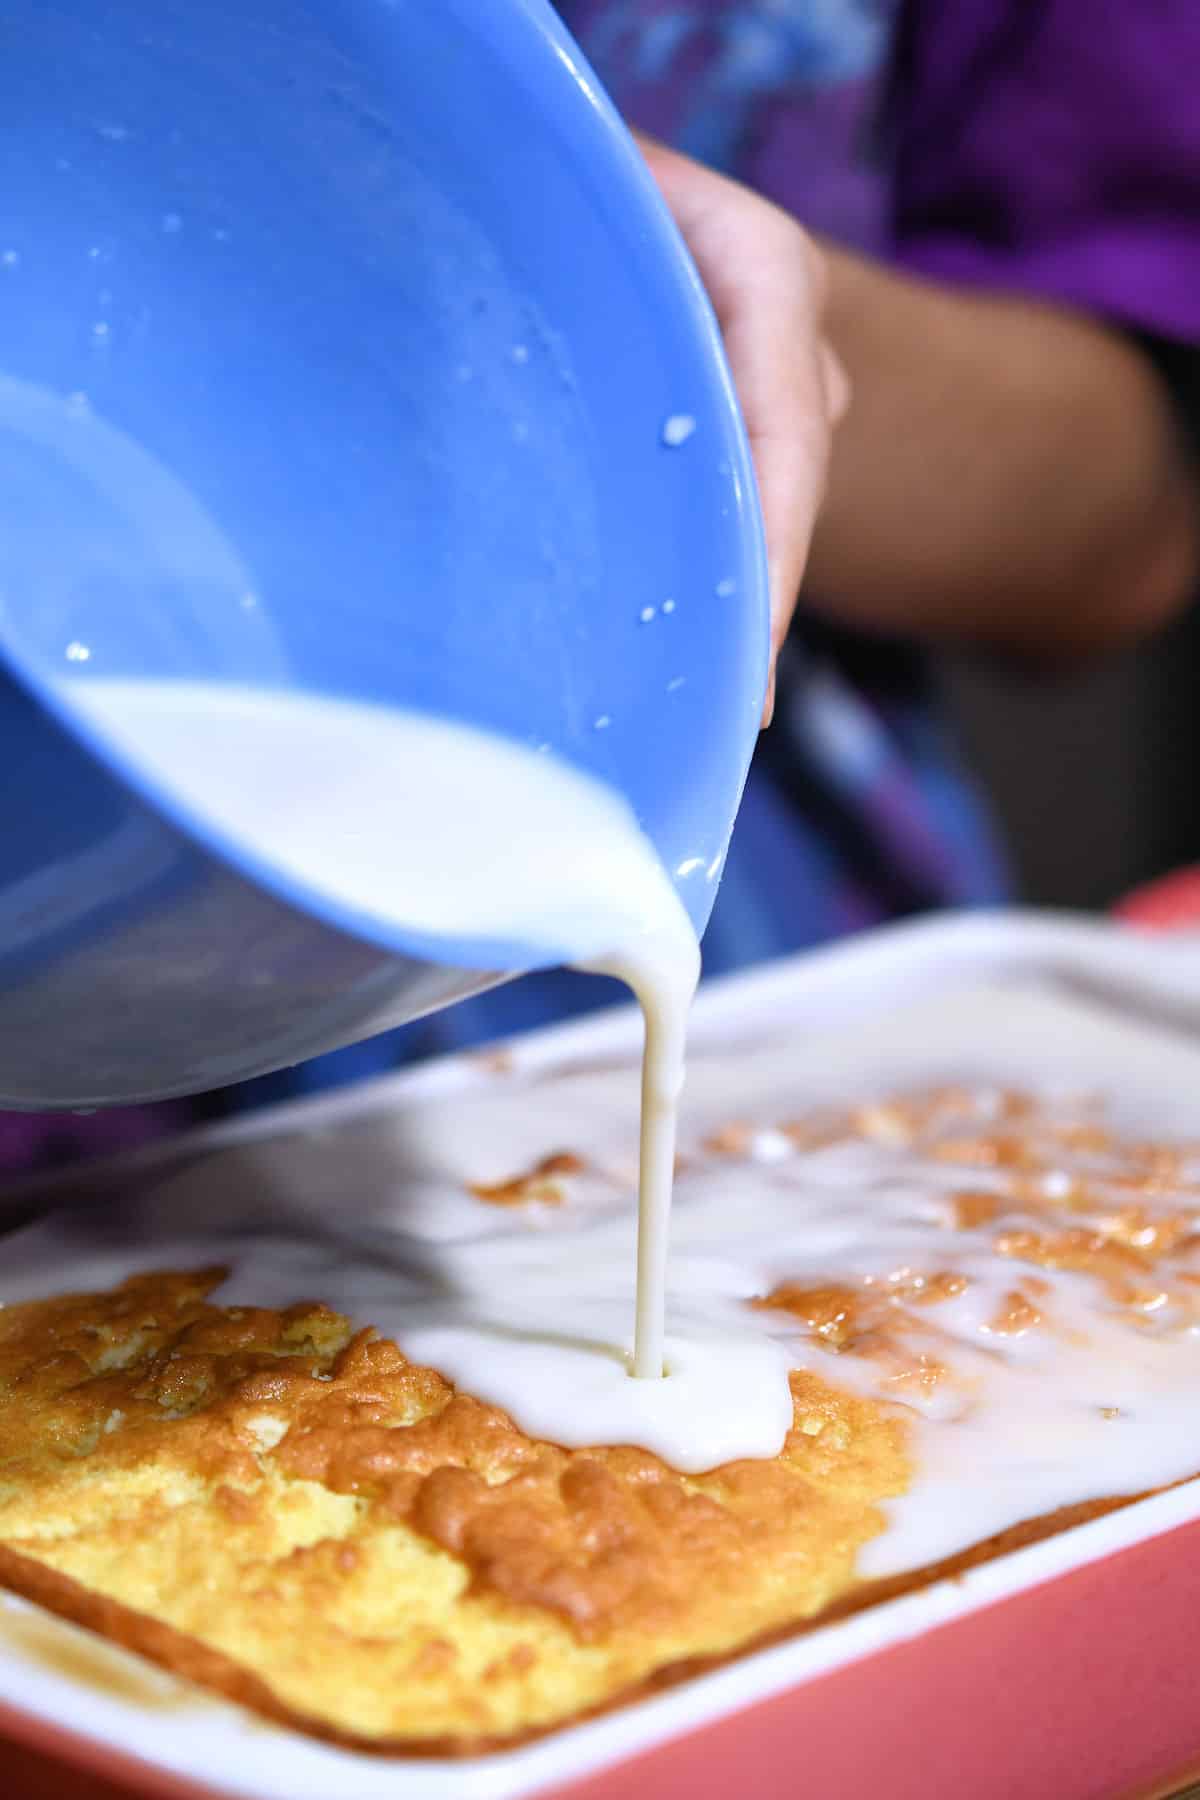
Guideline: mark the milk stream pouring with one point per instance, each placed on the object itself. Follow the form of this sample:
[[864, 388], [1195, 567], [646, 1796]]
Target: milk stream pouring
[[493, 840]]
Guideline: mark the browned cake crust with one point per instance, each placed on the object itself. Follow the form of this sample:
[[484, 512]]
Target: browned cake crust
[[596, 1549], [290, 1513], [193, 1661], [296, 1516]]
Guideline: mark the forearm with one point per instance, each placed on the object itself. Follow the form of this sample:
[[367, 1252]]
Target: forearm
[[1009, 475]]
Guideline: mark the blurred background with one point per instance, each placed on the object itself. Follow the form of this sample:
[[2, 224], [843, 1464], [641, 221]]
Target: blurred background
[[1095, 775]]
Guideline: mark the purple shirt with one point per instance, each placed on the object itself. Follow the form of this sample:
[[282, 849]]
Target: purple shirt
[[1050, 147]]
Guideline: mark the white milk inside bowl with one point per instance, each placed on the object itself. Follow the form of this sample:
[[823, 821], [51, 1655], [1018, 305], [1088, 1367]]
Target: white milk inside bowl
[[404, 819]]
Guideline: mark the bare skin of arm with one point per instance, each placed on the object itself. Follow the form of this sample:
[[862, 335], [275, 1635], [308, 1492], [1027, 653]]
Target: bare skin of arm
[[1010, 474], [1007, 475]]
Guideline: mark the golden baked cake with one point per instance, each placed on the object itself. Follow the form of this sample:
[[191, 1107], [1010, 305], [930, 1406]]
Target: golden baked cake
[[279, 1505], [290, 1511]]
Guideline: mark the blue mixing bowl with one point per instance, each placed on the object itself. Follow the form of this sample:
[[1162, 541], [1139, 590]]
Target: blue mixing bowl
[[344, 347]]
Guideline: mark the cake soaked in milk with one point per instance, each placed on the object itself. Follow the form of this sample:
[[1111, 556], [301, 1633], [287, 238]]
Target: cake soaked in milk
[[300, 1472]]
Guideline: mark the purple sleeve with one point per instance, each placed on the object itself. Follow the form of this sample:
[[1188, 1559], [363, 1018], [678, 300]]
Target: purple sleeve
[[1052, 147]]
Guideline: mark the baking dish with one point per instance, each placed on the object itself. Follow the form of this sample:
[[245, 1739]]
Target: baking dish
[[1063, 1667]]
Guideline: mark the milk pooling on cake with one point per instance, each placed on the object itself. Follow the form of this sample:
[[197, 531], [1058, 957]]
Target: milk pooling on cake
[[1013, 1276], [406, 821]]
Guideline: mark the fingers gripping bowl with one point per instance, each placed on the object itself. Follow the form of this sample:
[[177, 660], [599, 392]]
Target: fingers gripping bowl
[[302, 397]]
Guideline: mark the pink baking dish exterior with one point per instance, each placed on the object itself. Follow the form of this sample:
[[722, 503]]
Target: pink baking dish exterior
[[1087, 1686], [1069, 1669]]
